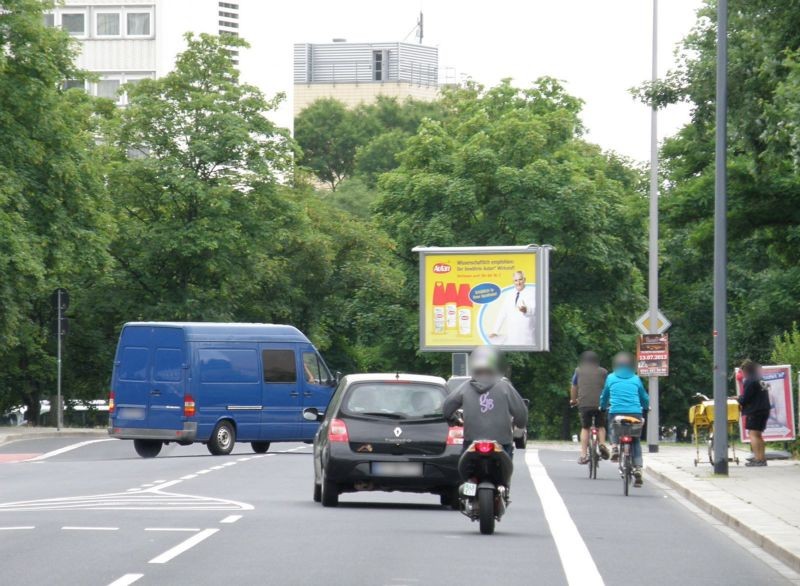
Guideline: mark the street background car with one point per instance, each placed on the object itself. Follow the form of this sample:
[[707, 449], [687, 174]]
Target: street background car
[[386, 432]]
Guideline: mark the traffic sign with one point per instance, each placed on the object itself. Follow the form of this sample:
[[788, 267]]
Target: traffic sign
[[60, 297], [643, 323]]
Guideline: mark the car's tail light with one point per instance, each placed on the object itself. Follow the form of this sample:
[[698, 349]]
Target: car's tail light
[[455, 436], [337, 431], [626, 439], [189, 408], [111, 403], [484, 447]]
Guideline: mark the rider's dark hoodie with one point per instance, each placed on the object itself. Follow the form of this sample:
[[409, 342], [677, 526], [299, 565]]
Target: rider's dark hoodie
[[490, 408]]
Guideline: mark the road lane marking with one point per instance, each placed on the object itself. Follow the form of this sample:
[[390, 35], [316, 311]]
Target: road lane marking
[[77, 528], [576, 560], [183, 546], [192, 529], [245, 459], [163, 485], [188, 476], [18, 528], [229, 463], [231, 519], [216, 468], [126, 580], [69, 448]]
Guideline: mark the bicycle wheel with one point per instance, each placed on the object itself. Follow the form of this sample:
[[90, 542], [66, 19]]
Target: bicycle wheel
[[626, 471], [594, 461]]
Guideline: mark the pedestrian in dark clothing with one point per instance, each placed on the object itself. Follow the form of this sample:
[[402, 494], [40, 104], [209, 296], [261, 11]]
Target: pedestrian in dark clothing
[[755, 407]]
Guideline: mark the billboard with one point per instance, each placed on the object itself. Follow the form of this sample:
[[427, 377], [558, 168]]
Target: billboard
[[652, 355], [780, 425], [495, 295]]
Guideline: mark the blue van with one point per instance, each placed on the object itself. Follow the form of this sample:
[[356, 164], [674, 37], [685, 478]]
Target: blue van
[[215, 383]]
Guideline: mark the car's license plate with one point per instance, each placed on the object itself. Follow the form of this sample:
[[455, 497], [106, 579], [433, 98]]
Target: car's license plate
[[469, 489], [397, 468], [130, 413]]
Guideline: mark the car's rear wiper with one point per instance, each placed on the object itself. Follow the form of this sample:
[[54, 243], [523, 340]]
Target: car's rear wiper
[[431, 415], [380, 414]]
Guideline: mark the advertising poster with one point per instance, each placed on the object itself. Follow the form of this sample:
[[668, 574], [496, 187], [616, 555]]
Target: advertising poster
[[781, 424], [490, 295], [652, 355]]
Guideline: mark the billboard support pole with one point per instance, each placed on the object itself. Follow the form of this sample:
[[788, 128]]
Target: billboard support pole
[[653, 424]]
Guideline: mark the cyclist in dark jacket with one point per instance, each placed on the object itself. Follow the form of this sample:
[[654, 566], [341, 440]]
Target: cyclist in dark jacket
[[755, 407]]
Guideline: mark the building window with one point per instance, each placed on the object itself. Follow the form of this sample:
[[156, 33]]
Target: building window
[[108, 88], [378, 65], [73, 83], [49, 20], [228, 5], [228, 23], [74, 23], [138, 24], [228, 14], [108, 24]]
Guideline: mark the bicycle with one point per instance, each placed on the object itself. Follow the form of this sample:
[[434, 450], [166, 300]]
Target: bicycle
[[626, 430], [594, 449]]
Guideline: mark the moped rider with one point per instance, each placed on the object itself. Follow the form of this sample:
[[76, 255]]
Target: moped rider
[[491, 405]]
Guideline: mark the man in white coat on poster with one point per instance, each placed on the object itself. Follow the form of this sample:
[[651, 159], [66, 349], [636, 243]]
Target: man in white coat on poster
[[515, 321]]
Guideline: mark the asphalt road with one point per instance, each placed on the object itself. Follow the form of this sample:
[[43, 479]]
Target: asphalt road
[[97, 514]]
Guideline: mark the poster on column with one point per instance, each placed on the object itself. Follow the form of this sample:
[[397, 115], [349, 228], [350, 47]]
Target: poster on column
[[781, 424], [475, 296]]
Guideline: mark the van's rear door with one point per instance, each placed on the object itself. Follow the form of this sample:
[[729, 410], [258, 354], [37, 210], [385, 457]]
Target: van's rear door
[[167, 385], [281, 401], [131, 380]]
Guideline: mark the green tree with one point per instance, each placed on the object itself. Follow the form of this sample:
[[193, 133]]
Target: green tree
[[508, 166], [54, 213], [328, 136], [763, 190]]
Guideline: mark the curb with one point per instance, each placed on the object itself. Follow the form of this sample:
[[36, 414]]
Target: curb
[[51, 434], [776, 550]]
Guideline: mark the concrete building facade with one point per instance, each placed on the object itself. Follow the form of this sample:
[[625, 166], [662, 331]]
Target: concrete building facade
[[355, 73], [123, 41]]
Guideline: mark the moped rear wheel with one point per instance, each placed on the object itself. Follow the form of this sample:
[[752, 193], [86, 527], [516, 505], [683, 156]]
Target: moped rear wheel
[[486, 510]]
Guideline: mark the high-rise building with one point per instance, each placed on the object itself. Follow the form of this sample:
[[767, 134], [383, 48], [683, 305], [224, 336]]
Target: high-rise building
[[359, 72], [123, 41]]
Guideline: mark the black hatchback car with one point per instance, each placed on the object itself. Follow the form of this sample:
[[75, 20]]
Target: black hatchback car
[[386, 432]]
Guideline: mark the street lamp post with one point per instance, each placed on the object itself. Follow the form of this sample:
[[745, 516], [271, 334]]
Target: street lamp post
[[653, 423], [720, 252]]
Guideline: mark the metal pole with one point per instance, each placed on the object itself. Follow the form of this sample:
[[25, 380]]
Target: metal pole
[[58, 359], [653, 419], [720, 252]]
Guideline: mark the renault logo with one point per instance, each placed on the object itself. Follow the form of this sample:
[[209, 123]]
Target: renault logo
[[397, 432]]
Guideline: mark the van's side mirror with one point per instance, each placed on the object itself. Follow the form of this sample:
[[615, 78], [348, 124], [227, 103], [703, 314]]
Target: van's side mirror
[[312, 414], [338, 376]]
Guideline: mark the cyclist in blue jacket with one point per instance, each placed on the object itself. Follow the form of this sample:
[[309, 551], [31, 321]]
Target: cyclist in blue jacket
[[624, 394]]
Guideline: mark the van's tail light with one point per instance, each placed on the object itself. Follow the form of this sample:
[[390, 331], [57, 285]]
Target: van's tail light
[[189, 409], [455, 436], [337, 431], [111, 403], [484, 447]]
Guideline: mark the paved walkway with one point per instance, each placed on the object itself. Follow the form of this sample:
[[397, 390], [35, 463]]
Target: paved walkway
[[762, 504], [10, 434]]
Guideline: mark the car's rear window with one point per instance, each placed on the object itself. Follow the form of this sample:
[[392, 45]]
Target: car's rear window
[[395, 400]]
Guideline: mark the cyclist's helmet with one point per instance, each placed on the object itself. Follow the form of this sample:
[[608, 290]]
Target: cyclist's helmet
[[589, 357], [623, 359], [485, 360]]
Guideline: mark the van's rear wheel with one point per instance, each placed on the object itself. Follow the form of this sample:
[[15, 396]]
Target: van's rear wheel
[[222, 439], [147, 448], [260, 447]]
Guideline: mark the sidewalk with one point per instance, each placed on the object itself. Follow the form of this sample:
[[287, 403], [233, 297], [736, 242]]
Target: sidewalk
[[11, 434], [762, 504]]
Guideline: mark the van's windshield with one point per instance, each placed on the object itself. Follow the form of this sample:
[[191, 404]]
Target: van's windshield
[[395, 400]]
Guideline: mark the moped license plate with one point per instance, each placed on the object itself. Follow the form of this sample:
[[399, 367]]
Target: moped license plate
[[470, 489]]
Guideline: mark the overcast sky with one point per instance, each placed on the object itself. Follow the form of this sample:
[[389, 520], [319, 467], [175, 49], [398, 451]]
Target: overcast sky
[[600, 48]]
